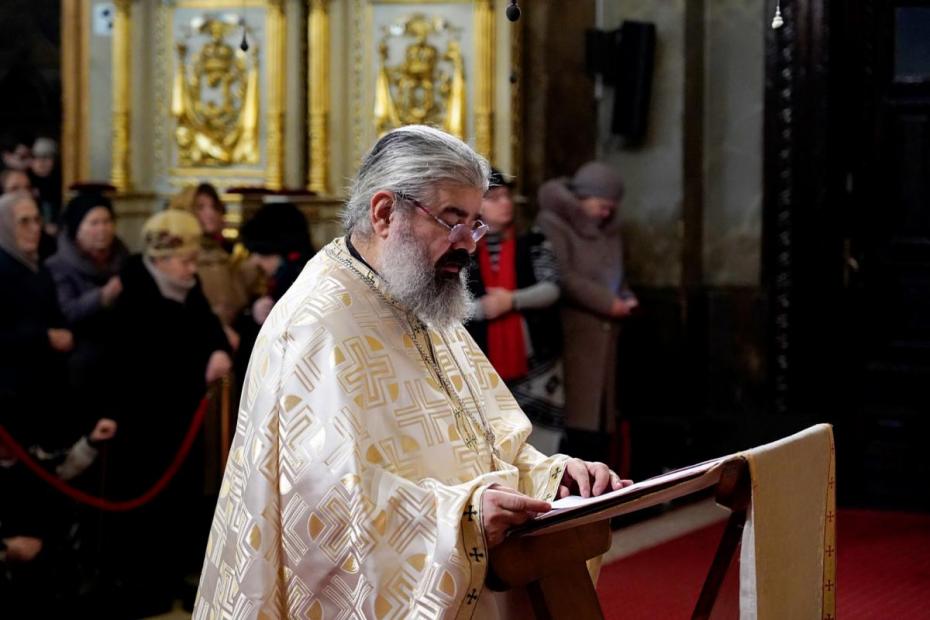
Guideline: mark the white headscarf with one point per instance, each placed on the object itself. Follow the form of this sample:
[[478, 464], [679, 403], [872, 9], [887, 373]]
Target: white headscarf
[[8, 229]]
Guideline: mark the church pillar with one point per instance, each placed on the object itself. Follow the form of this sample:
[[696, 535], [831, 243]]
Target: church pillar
[[318, 29], [75, 60], [121, 174], [485, 63], [277, 61]]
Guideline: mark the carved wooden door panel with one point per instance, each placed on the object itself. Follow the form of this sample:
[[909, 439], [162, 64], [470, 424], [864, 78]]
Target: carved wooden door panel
[[887, 258]]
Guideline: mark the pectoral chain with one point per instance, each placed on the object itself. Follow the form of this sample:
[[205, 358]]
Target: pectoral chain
[[416, 328]]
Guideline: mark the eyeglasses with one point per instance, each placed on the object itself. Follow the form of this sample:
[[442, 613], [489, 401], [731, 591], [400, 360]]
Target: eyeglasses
[[458, 233]]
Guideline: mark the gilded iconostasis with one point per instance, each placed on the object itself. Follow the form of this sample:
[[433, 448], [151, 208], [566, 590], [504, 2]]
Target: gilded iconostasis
[[278, 94]]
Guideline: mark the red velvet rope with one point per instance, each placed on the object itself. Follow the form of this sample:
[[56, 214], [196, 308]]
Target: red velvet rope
[[104, 504]]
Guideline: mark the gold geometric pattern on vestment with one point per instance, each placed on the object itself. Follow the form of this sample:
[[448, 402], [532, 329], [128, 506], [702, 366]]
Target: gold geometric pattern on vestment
[[400, 455], [328, 297], [436, 592], [349, 601], [411, 516], [304, 436], [367, 374], [308, 370], [484, 374], [347, 525], [427, 411], [293, 526], [299, 596], [393, 601]]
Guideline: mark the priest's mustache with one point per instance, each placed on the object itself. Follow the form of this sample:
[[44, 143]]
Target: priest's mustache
[[457, 257]]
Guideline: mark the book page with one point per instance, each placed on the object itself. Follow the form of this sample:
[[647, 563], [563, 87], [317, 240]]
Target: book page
[[575, 501]]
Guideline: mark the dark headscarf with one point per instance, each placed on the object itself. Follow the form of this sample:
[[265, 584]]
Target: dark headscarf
[[80, 206], [277, 228]]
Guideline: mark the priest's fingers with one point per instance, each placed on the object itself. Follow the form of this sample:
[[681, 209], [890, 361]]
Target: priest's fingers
[[500, 487], [601, 475], [564, 491], [521, 503], [616, 482], [575, 470], [501, 510]]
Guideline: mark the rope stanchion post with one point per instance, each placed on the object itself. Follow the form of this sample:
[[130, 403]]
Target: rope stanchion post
[[225, 431]]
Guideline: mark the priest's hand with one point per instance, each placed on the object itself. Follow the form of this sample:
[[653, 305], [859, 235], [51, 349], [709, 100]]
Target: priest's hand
[[589, 479], [503, 508]]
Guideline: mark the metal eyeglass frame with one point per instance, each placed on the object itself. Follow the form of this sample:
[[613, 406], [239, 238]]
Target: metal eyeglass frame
[[457, 233]]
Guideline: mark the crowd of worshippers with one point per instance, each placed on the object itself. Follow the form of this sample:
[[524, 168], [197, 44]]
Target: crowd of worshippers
[[108, 354]]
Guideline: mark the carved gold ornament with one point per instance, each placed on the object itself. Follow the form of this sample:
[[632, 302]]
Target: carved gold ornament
[[427, 86], [215, 97]]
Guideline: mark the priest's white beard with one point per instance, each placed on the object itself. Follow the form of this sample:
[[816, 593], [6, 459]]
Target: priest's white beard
[[413, 280]]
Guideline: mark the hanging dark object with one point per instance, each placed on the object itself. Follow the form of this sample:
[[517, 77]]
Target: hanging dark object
[[513, 11], [244, 44]]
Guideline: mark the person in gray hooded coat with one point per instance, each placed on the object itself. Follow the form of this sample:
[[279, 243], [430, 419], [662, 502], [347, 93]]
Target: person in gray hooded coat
[[580, 217]]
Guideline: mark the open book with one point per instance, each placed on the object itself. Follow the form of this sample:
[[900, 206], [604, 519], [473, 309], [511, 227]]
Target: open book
[[573, 511]]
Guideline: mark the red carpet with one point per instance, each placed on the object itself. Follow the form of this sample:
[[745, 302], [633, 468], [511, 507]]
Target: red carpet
[[883, 571]]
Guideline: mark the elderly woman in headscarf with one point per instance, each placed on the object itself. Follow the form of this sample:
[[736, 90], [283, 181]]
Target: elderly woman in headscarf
[[580, 216], [86, 273], [33, 336], [225, 282], [167, 347]]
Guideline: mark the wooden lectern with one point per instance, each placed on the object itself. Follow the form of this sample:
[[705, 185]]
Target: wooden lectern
[[549, 559], [790, 486]]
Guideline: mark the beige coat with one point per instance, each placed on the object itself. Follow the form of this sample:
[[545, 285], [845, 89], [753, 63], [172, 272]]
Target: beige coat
[[226, 285], [591, 266]]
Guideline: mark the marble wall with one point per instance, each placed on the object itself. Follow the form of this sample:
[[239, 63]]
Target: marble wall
[[733, 120], [733, 116], [654, 171]]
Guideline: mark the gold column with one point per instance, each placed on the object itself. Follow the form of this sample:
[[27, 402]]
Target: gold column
[[121, 174], [318, 37], [276, 37], [484, 80], [75, 39], [516, 103]]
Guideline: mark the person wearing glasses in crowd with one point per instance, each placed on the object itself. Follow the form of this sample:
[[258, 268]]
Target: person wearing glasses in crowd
[[515, 320], [378, 455]]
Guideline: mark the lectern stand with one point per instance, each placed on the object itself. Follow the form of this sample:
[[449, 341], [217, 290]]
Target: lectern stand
[[782, 503], [550, 559], [552, 568]]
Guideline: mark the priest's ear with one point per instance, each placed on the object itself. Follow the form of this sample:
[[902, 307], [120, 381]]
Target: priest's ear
[[382, 205]]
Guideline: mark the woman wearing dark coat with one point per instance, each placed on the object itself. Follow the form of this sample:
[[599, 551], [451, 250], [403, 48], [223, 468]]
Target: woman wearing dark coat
[[167, 346], [86, 273], [33, 336]]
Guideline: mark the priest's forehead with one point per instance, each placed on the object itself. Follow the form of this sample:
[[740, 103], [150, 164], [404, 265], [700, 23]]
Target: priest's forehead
[[454, 202]]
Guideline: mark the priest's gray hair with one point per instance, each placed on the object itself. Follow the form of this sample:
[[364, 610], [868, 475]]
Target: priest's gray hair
[[414, 160]]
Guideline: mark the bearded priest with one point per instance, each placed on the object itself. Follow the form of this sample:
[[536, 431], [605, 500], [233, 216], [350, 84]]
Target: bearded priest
[[378, 456]]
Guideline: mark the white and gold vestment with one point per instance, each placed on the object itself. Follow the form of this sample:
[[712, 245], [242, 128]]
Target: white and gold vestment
[[361, 451]]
